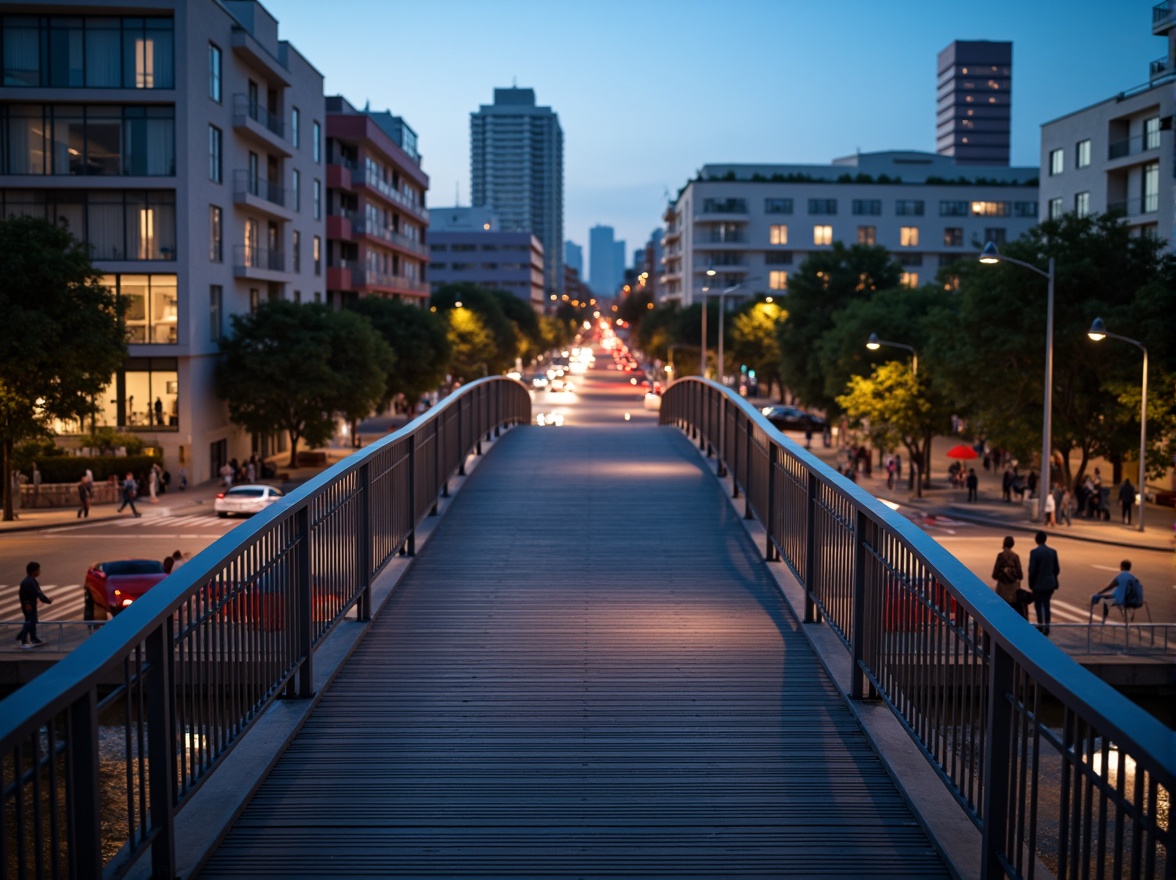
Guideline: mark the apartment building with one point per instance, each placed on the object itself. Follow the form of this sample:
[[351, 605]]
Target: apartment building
[[469, 245], [375, 207], [974, 101], [756, 224], [182, 143], [1117, 155]]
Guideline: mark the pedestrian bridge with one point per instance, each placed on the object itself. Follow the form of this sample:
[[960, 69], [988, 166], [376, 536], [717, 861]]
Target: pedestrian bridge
[[628, 646]]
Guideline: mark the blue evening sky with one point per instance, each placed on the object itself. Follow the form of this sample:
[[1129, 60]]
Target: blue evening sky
[[648, 91]]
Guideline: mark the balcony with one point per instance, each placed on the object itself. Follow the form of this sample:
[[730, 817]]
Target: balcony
[[246, 47], [384, 233], [260, 194], [148, 250], [386, 281], [1137, 207], [258, 264], [721, 238], [371, 180], [1162, 18], [261, 126], [724, 206], [1133, 146]]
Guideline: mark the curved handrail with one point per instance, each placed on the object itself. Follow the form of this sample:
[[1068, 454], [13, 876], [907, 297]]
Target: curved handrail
[[976, 687], [186, 670]]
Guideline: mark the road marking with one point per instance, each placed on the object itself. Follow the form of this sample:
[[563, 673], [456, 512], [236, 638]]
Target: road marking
[[1106, 567]]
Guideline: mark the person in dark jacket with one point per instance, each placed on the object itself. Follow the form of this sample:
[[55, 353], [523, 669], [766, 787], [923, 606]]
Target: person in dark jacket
[[1127, 499], [1006, 571], [1043, 579], [30, 595]]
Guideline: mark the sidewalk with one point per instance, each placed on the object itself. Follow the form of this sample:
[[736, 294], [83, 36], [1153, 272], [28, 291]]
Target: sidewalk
[[172, 503]]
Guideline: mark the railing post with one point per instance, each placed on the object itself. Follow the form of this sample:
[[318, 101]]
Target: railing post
[[303, 633], [498, 409], [860, 522], [812, 613], [461, 436], [363, 608], [437, 465], [771, 554], [85, 803], [998, 762], [722, 451], [161, 748], [412, 499]]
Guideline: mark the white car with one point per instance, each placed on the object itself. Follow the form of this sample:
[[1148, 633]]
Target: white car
[[246, 500]]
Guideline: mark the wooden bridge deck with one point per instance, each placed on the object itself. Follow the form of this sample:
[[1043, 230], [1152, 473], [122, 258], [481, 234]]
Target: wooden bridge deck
[[587, 672]]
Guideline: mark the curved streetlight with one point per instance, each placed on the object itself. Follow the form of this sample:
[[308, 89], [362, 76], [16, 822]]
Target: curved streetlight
[[990, 254], [710, 273], [1098, 332], [874, 343], [723, 311]]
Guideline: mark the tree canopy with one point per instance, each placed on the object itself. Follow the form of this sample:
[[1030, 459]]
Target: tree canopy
[[755, 342], [500, 355], [294, 367], [61, 333], [419, 341]]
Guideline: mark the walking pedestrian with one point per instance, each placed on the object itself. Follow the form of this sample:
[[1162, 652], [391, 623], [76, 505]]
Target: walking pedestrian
[[153, 485], [129, 491], [30, 595], [1006, 485], [972, 482], [1007, 573], [1050, 509], [1064, 507], [1043, 579], [183, 479], [1127, 499], [85, 488]]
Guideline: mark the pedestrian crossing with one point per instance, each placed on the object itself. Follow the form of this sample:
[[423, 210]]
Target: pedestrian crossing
[[67, 602], [202, 521]]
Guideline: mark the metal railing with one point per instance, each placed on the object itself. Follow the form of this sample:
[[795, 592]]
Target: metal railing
[[1058, 771], [247, 256], [365, 226], [1148, 204], [245, 183], [1132, 146], [244, 108], [100, 754]]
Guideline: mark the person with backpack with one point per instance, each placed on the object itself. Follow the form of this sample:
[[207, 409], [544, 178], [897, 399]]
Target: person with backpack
[[1125, 591]]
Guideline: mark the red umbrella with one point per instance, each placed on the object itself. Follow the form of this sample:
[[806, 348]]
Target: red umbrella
[[962, 451]]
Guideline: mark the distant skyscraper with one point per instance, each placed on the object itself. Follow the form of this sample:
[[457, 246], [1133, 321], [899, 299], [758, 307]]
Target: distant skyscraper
[[975, 99], [574, 256], [606, 261], [516, 161]]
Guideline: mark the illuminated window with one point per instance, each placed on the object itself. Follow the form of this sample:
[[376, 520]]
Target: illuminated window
[[822, 235], [216, 251], [909, 279], [316, 253], [1082, 153], [1057, 161], [145, 63], [1082, 204], [990, 209], [778, 234], [778, 280], [951, 282], [1055, 208], [867, 235], [953, 236], [908, 236]]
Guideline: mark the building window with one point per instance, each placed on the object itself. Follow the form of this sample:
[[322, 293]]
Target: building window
[[778, 234], [777, 206], [867, 235], [318, 200], [216, 310], [214, 154], [1082, 153], [996, 235], [1151, 188], [295, 127], [254, 299], [63, 139], [990, 209], [908, 236], [1057, 161], [822, 206], [822, 234], [214, 73], [316, 145], [953, 209], [296, 247], [953, 236], [908, 208], [1055, 209], [296, 189], [778, 258], [216, 245], [909, 279], [1024, 209], [152, 307], [778, 280], [1151, 133], [298, 297], [1082, 204], [316, 254], [867, 207]]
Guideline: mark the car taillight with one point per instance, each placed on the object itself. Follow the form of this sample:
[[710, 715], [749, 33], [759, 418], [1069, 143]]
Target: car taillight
[[220, 494]]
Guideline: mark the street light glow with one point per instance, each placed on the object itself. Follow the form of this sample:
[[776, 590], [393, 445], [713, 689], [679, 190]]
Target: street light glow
[[1098, 330], [990, 254]]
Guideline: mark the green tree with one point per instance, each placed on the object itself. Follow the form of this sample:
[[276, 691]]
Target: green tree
[[755, 342], [289, 367], [988, 342], [472, 344], [500, 357], [826, 283], [61, 333], [528, 333], [420, 341]]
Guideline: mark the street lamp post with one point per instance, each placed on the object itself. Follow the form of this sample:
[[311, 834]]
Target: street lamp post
[[990, 254], [1098, 332], [873, 344], [722, 311], [710, 272]]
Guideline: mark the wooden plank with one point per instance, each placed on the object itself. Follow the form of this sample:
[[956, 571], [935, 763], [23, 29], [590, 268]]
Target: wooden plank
[[587, 672]]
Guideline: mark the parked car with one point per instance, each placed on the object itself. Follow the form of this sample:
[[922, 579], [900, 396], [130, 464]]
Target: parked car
[[793, 418], [112, 586], [246, 500]]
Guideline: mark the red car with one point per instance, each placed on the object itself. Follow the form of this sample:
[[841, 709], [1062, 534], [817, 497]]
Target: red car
[[112, 586]]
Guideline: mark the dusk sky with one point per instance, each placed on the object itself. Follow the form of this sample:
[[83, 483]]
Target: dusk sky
[[648, 91]]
